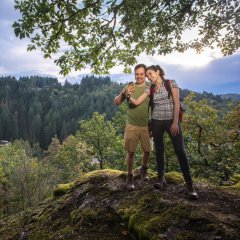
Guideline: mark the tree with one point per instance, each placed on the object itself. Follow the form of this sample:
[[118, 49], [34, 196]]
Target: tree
[[212, 142], [72, 159], [226, 144], [23, 178], [200, 121], [100, 135], [119, 120], [102, 34]]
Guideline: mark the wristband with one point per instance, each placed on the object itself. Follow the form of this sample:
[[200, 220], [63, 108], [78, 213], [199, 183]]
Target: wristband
[[123, 96]]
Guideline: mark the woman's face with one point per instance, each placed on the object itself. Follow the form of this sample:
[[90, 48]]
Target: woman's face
[[152, 75]]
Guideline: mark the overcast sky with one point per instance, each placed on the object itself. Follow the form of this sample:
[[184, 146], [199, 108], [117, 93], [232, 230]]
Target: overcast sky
[[206, 72]]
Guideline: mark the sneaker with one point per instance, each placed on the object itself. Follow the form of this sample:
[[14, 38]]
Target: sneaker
[[161, 183], [129, 183], [143, 173], [191, 192]]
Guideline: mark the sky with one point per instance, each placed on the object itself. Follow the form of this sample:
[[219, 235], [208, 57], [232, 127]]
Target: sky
[[208, 71]]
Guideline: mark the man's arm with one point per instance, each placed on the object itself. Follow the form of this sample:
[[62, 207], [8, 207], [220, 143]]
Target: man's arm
[[120, 97]]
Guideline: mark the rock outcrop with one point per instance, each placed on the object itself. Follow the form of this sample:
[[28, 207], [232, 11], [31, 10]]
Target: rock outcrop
[[97, 206]]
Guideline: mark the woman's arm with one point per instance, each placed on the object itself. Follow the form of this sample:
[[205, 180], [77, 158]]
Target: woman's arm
[[138, 100], [176, 104], [175, 96]]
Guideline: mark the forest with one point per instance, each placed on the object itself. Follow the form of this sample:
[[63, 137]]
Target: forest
[[51, 133], [37, 109]]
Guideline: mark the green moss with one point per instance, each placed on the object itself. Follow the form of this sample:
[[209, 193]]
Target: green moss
[[174, 177], [74, 216], [147, 225], [90, 214], [40, 234], [150, 215], [173, 215], [101, 173], [236, 186], [125, 213], [235, 178], [141, 201], [61, 189], [198, 216], [66, 232], [211, 227], [186, 235]]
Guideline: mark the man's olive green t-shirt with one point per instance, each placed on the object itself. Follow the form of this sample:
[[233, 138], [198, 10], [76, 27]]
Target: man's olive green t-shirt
[[138, 115]]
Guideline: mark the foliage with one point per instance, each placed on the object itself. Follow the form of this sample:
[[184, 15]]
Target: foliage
[[103, 34], [72, 158], [101, 136], [212, 142], [119, 120], [24, 179]]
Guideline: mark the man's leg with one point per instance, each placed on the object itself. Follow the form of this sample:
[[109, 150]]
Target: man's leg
[[129, 180], [130, 142], [129, 161], [146, 148], [145, 158]]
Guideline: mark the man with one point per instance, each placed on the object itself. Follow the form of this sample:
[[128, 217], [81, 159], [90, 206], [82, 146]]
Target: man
[[136, 129]]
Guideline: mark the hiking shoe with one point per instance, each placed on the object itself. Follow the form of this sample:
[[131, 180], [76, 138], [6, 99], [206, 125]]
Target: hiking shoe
[[143, 173], [161, 183], [191, 192], [129, 183]]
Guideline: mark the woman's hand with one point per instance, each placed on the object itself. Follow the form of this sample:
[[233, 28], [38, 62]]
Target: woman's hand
[[174, 129]]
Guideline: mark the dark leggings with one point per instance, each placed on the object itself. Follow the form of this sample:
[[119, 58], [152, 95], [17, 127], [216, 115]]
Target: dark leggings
[[158, 129]]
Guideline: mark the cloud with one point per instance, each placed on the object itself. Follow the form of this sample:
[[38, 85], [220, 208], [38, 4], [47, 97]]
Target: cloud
[[206, 72], [221, 75]]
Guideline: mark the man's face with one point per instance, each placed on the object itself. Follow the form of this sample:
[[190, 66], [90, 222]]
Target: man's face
[[140, 75]]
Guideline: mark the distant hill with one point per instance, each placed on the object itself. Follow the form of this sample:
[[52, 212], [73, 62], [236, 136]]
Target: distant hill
[[97, 206], [121, 78], [232, 96], [38, 108]]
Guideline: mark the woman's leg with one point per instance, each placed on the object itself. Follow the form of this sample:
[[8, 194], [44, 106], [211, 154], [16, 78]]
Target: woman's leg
[[158, 132], [178, 145]]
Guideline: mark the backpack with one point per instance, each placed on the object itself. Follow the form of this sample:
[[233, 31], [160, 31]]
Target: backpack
[[167, 85]]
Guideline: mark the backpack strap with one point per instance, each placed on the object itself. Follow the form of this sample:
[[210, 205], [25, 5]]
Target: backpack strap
[[152, 92], [167, 85]]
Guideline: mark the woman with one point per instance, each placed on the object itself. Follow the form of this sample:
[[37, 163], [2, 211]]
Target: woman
[[165, 118]]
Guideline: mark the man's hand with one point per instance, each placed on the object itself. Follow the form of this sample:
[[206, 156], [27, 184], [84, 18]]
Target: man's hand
[[129, 90]]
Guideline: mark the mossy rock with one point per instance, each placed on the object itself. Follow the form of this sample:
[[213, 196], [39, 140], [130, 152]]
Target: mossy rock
[[174, 177], [235, 188], [97, 206], [237, 185], [98, 174], [61, 189], [235, 178]]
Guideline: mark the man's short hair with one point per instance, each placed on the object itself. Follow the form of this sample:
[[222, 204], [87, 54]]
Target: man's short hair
[[141, 65]]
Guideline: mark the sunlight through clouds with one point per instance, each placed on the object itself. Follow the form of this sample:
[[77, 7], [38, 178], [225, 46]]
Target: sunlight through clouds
[[190, 58]]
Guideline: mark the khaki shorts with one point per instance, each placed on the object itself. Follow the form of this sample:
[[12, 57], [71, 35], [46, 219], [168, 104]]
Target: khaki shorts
[[133, 135]]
